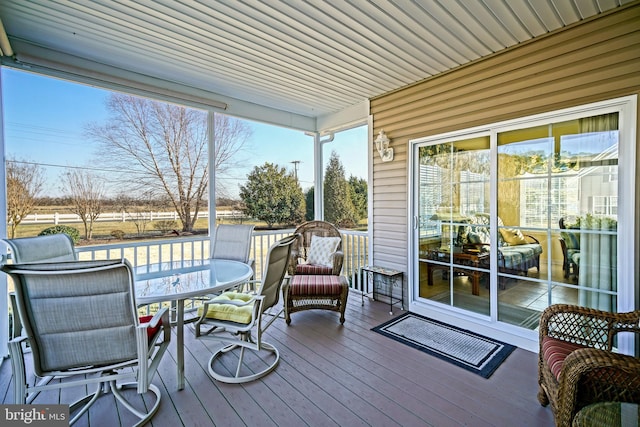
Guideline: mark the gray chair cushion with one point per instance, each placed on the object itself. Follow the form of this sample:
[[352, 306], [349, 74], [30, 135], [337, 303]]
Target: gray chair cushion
[[81, 313], [50, 248]]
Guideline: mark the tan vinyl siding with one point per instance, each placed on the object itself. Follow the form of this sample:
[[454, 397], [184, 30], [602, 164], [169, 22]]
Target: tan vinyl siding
[[591, 61]]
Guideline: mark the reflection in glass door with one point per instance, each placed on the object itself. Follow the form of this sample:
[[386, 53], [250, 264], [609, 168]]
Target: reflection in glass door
[[541, 229], [558, 185], [453, 195]]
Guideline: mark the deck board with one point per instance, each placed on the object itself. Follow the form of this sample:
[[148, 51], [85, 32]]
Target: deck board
[[334, 375]]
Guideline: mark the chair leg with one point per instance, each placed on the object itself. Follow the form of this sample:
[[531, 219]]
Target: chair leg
[[84, 404], [81, 406], [144, 416], [238, 378], [288, 304], [343, 304], [542, 396]]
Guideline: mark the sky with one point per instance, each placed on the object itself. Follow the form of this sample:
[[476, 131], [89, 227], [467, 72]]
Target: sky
[[44, 121]]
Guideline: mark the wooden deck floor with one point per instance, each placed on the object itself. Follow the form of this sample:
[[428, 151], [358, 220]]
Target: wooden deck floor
[[332, 375]]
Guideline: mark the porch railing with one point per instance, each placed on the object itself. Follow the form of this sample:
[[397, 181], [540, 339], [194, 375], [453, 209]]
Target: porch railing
[[143, 253]]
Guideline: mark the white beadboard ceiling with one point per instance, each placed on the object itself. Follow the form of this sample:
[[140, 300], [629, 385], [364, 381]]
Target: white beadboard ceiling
[[309, 58]]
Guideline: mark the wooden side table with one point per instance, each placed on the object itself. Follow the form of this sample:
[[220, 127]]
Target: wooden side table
[[383, 281], [460, 260]]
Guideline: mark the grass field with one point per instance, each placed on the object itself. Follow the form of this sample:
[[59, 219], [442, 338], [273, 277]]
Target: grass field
[[102, 229]]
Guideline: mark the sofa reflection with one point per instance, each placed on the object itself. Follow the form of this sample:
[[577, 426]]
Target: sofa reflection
[[466, 243], [517, 252]]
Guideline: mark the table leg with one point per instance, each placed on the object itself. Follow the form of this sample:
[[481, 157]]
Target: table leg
[[388, 284], [475, 282], [180, 343], [429, 274]]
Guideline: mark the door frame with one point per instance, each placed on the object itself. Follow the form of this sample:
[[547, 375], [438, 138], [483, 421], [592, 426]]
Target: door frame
[[528, 339]]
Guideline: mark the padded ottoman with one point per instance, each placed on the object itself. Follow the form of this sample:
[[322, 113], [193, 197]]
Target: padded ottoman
[[310, 292]]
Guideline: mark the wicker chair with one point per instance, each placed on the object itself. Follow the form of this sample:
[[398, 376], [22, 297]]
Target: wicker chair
[[576, 364], [300, 251], [315, 286]]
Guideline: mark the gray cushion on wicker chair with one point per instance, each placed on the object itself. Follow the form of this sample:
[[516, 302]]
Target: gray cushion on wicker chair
[[80, 318]]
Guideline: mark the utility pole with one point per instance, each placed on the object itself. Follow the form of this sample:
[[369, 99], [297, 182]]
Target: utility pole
[[295, 168]]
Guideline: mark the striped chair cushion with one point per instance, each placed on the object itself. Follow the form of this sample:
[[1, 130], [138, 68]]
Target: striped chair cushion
[[315, 285], [313, 269], [555, 351]]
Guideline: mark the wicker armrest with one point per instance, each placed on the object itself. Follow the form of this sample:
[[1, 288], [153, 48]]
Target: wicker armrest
[[587, 326], [338, 257], [293, 261], [592, 375]]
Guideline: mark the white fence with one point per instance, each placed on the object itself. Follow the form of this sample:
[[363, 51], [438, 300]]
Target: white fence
[[60, 218]]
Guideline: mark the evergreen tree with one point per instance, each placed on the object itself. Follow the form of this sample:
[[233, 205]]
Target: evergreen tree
[[358, 192], [310, 211], [272, 195], [338, 207]]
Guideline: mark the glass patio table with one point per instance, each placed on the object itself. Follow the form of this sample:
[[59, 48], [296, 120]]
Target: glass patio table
[[182, 280]]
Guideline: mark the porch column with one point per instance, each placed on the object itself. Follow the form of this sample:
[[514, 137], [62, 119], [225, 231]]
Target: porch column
[[318, 174], [4, 299], [211, 120]]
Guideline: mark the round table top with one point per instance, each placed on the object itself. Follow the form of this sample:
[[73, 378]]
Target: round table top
[[186, 279]]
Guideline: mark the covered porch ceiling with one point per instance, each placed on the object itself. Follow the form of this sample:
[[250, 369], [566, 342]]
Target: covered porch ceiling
[[309, 65]]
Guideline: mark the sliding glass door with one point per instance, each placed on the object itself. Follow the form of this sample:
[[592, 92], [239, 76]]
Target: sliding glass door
[[521, 215], [558, 185], [454, 186]]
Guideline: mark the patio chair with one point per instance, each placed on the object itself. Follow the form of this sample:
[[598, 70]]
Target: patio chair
[[315, 264], [50, 248], [318, 249], [570, 245], [577, 366], [81, 321], [233, 316], [233, 242]]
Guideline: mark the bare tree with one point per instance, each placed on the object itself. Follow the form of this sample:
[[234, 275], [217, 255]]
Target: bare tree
[[24, 183], [162, 148], [138, 210], [86, 191]]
